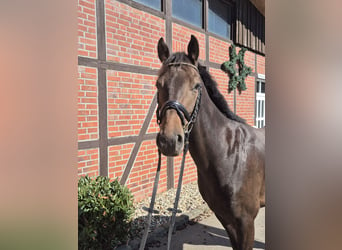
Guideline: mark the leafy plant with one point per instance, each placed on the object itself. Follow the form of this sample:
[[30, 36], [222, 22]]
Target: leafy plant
[[104, 211]]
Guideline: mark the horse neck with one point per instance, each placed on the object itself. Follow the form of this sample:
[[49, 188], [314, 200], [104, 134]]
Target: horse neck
[[210, 125]]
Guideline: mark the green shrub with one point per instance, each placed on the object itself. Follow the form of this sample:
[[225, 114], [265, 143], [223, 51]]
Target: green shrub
[[104, 212]]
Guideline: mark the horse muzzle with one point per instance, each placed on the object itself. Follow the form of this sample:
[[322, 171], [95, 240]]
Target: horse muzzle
[[170, 145]]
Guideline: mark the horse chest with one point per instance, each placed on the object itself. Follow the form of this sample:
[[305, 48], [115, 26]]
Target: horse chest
[[217, 194]]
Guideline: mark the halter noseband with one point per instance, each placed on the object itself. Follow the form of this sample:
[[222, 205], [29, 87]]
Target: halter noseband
[[180, 109]]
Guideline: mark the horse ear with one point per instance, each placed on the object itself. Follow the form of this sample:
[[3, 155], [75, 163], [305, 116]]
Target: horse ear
[[193, 49], [163, 50]]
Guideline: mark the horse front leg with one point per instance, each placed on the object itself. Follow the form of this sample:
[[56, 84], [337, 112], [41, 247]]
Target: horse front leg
[[231, 231], [245, 233]]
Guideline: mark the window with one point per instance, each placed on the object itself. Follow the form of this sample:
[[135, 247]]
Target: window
[[219, 18], [260, 103], [189, 11], [155, 4]]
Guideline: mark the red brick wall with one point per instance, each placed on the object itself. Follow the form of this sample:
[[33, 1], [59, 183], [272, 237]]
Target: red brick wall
[[87, 104], [245, 102], [181, 37], [218, 50], [153, 127], [261, 64], [118, 156], [250, 60], [86, 28], [132, 34], [88, 162], [142, 175], [129, 98], [131, 39]]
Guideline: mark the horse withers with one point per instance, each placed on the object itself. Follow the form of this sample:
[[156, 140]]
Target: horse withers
[[229, 154]]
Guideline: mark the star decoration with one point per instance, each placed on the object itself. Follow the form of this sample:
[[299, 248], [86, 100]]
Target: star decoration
[[236, 80]]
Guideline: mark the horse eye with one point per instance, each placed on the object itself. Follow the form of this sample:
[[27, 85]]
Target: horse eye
[[197, 86]]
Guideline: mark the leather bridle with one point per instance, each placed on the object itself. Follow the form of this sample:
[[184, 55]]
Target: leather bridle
[[180, 109]]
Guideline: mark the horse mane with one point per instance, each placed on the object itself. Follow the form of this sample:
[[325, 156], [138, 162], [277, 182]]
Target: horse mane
[[216, 96], [210, 85]]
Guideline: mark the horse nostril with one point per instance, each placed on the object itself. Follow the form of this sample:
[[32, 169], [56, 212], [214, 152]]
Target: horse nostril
[[170, 145], [161, 140], [179, 139]]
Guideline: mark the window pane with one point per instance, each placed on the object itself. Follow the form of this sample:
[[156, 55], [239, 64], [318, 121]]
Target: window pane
[[262, 87], [258, 87], [219, 18], [189, 11], [256, 109], [155, 4]]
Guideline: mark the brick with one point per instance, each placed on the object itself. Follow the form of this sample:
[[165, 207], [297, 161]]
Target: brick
[[88, 162], [86, 27]]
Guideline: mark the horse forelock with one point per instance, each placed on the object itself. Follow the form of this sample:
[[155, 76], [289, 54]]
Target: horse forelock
[[174, 58], [178, 57]]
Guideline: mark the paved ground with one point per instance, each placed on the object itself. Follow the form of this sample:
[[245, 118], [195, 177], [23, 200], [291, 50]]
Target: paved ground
[[209, 234]]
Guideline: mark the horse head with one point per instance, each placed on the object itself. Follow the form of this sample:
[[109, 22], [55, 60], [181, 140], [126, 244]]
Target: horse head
[[179, 89]]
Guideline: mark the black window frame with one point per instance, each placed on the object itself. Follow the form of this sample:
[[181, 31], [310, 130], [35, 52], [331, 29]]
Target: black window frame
[[166, 14], [149, 6], [181, 20], [231, 5]]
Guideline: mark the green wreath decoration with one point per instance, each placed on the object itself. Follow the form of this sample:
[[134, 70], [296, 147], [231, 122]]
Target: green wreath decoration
[[236, 81]]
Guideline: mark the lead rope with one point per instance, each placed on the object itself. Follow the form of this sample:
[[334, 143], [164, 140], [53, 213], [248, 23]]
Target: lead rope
[[150, 210], [155, 187], [174, 211]]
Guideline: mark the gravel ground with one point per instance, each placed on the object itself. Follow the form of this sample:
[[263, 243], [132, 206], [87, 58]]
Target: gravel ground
[[190, 199]]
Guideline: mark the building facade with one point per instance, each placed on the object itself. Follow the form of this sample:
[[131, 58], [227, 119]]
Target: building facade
[[117, 67]]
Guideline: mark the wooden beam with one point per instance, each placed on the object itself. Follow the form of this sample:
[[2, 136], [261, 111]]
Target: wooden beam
[[260, 5]]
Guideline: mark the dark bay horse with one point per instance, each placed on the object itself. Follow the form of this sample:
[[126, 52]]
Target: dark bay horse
[[229, 154]]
